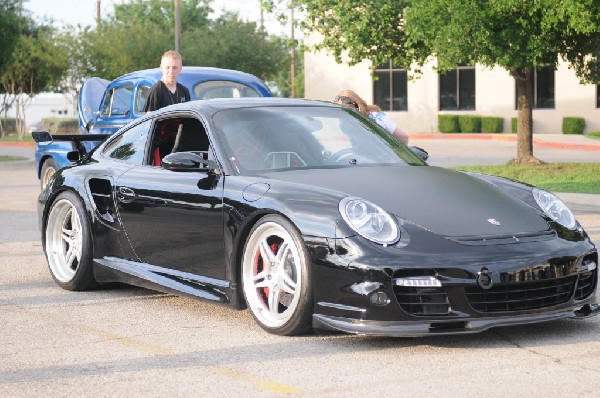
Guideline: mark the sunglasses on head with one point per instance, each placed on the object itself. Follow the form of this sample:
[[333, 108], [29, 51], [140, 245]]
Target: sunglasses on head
[[345, 100]]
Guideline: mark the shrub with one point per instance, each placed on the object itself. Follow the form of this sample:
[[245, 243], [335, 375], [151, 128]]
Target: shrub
[[469, 124], [595, 134], [513, 125], [492, 125], [57, 125], [448, 123], [9, 125], [573, 125]]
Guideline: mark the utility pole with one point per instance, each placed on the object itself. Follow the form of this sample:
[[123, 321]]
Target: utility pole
[[293, 60], [262, 15], [177, 24], [98, 14]]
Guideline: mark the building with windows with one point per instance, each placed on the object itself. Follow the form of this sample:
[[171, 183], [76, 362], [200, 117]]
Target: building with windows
[[46, 105], [415, 102]]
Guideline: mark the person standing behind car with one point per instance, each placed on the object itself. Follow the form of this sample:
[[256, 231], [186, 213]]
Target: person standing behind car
[[167, 91], [350, 99]]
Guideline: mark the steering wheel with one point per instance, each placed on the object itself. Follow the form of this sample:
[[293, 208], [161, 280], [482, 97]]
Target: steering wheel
[[342, 155]]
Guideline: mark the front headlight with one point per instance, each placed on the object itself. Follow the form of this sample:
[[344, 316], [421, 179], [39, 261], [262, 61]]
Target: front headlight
[[369, 220], [554, 207]]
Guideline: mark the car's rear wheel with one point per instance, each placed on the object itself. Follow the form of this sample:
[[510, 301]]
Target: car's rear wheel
[[276, 277], [49, 167], [68, 243]]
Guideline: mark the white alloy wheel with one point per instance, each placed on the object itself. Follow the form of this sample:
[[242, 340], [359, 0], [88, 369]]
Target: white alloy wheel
[[275, 277], [67, 244]]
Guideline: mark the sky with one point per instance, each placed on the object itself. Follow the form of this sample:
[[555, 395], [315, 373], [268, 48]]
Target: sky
[[84, 11]]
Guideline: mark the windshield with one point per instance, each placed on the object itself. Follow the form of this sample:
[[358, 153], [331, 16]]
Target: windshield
[[277, 138]]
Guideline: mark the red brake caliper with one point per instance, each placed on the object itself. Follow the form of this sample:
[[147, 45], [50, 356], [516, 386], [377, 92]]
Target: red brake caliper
[[259, 266]]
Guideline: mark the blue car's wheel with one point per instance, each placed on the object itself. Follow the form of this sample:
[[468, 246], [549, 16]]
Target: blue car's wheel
[[68, 244], [48, 169], [276, 277]]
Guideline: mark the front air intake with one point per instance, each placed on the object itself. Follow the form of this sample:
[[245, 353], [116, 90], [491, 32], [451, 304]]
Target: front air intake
[[522, 296]]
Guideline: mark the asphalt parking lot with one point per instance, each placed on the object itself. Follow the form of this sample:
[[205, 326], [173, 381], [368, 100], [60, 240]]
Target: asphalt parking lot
[[122, 340]]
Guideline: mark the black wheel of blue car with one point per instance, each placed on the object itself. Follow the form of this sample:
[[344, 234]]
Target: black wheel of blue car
[[276, 277], [49, 167], [68, 244]]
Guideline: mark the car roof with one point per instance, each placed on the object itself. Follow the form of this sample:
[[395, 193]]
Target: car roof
[[213, 106], [191, 74]]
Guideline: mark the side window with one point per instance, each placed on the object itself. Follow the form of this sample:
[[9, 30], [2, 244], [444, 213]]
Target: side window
[[223, 89], [140, 100], [390, 88], [129, 146], [179, 134], [543, 89], [457, 89], [117, 101]]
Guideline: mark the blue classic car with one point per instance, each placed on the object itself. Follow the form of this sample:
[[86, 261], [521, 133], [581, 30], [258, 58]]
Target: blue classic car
[[104, 106]]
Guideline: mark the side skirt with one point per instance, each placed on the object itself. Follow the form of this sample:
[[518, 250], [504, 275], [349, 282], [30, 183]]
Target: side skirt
[[112, 269]]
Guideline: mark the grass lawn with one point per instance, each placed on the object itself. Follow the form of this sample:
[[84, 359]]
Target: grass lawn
[[4, 158], [557, 177], [14, 138]]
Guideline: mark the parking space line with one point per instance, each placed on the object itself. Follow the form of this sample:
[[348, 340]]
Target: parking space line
[[267, 385]]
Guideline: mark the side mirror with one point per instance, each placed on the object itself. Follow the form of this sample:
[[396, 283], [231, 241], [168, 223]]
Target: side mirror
[[73, 156], [420, 152], [90, 123], [189, 161]]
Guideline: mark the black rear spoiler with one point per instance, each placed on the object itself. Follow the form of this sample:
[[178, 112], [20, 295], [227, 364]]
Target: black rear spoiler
[[79, 151], [45, 138]]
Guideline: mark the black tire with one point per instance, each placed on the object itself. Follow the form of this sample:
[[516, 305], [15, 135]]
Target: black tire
[[279, 291], [49, 167], [68, 244]]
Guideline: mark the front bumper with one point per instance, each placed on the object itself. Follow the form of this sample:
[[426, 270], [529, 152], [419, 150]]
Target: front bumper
[[463, 326]]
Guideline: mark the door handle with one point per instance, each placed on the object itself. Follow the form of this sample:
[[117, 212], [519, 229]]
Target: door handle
[[126, 195]]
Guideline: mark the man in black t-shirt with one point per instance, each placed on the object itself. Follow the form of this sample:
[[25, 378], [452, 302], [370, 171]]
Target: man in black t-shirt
[[167, 91]]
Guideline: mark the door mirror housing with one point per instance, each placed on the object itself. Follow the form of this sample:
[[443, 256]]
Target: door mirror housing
[[189, 161]]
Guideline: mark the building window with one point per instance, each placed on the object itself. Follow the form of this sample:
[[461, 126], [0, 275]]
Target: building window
[[543, 89], [457, 89], [389, 88], [597, 95]]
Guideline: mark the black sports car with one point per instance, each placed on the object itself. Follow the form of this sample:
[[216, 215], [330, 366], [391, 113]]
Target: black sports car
[[312, 216]]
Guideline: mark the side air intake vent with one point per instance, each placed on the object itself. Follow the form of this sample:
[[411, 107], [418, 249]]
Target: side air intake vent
[[101, 190]]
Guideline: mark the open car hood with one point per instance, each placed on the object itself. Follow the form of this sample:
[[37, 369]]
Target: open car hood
[[442, 201], [90, 97]]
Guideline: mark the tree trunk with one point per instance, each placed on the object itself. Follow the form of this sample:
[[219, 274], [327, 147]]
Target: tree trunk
[[524, 85]]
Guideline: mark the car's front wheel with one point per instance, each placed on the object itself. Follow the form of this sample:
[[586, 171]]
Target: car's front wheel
[[68, 243], [49, 167], [276, 277]]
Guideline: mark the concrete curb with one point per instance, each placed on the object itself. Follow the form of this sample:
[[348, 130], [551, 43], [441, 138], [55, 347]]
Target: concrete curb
[[27, 162], [558, 143]]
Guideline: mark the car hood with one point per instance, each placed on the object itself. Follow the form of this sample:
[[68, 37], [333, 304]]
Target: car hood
[[90, 96], [442, 201]]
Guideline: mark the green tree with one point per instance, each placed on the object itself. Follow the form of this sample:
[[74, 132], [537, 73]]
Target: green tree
[[38, 64], [517, 35], [10, 28], [138, 32], [234, 44], [135, 36]]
